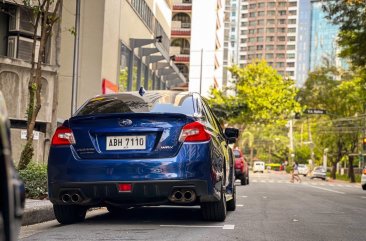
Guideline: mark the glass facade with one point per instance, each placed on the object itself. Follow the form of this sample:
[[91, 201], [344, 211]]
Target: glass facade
[[324, 48]]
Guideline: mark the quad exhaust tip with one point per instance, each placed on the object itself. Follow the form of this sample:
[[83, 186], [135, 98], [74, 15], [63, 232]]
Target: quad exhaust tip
[[183, 196], [71, 198]]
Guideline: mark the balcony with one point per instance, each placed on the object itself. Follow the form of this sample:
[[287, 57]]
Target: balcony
[[182, 5], [181, 54], [181, 28]]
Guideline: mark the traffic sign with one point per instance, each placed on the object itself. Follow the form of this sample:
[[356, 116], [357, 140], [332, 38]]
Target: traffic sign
[[315, 111]]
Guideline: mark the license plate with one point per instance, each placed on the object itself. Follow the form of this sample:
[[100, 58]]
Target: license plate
[[126, 143]]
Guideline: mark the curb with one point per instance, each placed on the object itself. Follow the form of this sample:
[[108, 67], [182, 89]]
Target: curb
[[37, 212]]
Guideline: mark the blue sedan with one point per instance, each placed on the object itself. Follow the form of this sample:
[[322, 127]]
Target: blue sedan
[[142, 148]]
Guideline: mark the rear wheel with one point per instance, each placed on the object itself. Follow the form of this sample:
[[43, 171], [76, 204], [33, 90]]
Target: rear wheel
[[243, 180], [231, 205], [214, 211], [364, 187], [68, 214]]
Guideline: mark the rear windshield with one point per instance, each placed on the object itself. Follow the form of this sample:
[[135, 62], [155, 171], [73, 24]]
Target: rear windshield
[[132, 102], [236, 154]]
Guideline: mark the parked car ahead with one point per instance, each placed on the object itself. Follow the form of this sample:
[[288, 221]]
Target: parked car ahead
[[363, 179], [303, 170], [12, 195], [319, 172], [137, 149], [241, 167], [258, 166]]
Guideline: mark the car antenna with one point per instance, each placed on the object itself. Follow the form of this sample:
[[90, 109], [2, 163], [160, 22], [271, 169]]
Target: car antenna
[[142, 91]]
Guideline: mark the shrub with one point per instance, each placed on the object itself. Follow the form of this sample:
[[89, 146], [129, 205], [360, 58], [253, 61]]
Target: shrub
[[289, 168], [35, 180]]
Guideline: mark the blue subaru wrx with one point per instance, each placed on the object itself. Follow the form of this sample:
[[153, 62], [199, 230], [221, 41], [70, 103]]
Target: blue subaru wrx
[[142, 148]]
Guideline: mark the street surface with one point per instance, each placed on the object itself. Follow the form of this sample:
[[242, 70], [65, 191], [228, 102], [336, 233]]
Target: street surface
[[270, 208]]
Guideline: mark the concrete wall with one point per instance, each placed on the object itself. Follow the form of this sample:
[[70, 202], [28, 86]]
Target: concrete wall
[[104, 25], [203, 37]]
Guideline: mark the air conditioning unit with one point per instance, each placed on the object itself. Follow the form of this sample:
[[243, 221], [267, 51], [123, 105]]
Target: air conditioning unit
[[21, 20], [21, 48]]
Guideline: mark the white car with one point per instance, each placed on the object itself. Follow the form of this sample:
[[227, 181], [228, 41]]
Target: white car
[[303, 170], [258, 166], [363, 179], [319, 172]]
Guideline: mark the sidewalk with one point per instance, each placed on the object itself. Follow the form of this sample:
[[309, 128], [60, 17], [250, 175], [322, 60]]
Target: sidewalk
[[37, 211]]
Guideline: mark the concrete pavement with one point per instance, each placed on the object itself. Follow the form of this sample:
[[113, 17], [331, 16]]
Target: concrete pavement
[[38, 211]]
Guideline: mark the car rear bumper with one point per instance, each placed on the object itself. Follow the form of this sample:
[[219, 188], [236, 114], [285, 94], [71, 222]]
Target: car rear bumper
[[142, 193]]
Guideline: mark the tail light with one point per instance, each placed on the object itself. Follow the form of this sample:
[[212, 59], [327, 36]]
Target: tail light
[[364, 171], [194, 132], [63, 136]]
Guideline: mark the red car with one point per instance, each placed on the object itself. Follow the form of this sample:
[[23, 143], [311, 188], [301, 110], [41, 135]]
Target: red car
[[241, 167]]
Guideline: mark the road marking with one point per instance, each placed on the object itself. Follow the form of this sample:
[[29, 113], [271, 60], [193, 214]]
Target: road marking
[[240, 205], [244, 196], [226, 226], [264, 197], [326, 189], [295, 220]]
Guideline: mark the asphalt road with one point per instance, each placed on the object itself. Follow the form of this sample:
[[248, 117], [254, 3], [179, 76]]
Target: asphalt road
[[270, 208]]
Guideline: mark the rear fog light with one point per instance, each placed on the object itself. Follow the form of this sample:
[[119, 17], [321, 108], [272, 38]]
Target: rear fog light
[[125, 187]]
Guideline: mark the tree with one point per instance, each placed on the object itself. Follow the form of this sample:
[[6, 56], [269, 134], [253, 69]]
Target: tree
[[343, 100], [45, 13], [261, 96], [350, 15]]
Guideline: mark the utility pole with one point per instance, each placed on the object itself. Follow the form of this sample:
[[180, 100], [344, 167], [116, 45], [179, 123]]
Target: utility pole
[[311, 144], [291, 136]]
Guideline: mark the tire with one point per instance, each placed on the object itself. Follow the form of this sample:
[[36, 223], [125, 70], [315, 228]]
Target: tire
[[214, 211], [364, 187], [243, 180], [231, 205], [247, 180], [68, 214]]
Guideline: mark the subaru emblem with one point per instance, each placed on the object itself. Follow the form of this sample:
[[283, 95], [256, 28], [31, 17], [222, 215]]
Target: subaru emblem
[[125, 122]]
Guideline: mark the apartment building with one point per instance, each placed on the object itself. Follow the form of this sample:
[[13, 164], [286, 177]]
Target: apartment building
[[268, 30], [197, 42], [123, 45], [16, 39]]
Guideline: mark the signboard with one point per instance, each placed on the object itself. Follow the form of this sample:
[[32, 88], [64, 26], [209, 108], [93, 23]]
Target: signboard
[[315, 111], [23, 135]]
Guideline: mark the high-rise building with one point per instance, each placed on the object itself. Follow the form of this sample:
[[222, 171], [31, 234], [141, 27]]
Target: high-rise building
[[324, 49], [197, 42], [268, 30]]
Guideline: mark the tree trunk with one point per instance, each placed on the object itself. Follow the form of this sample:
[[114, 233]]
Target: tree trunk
[[333, 171], [351, 173]]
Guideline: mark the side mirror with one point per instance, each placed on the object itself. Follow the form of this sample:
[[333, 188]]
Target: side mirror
[[231, 133]]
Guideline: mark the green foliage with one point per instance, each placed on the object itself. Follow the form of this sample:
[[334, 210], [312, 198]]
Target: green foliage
[[289, 169], [35, 180], [123, 76], [346, 178], [261, 96], [302, 154], [350, 16]]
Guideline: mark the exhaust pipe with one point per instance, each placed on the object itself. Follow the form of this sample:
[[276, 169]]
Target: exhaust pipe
[[183, 196], [188, 195], [66, 198], [75, 198], [178, 195]]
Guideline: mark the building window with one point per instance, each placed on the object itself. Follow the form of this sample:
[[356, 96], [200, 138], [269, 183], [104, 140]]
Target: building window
[[269, 56], [290, 47], [259, 47], [269, 47], [281, 21], [270, 38], [252, 15], [270, 21], [282, 4], [261, 13], [252, 23], [292, 4], [271, 5], [292, 21], [270, 30], [251, 31], [261, 5], [280, 56], [259, 39], [281, 38], [291, 64], [271, 13], [252, 6], [291, 56], [281, 47], [260, 30], [292, 12], [291, 38], [282, 12], [280, 64]]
